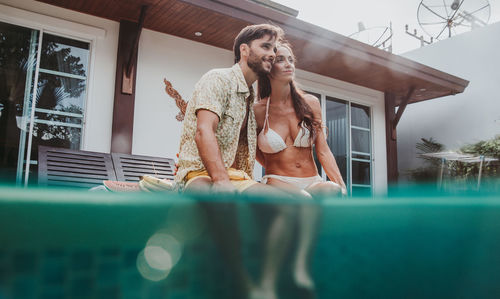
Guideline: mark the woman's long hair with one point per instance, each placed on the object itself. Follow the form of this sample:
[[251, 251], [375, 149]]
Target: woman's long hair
[[302, 109]]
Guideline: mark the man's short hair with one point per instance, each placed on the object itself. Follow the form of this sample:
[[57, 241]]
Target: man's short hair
[[253, 32]]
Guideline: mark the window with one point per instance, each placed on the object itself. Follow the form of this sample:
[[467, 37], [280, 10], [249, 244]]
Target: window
[[360, 149], [349, 134], [43, 83]]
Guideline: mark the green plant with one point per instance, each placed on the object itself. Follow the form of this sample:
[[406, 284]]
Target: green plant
[[458, 170], [488, 148], [429, 171]]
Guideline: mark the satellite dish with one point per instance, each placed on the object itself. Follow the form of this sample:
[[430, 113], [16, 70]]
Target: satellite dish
[[379, 37], [443, 18]]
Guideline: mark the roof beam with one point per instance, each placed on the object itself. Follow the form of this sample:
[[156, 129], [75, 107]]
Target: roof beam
[[402, 106], [133, 53], [131, 63], [390, 138]]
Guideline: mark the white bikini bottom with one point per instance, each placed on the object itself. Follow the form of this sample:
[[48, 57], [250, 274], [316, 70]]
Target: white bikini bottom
[[301, 183]]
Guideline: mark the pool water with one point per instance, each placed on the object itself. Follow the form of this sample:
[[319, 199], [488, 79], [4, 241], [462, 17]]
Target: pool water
[[415, 243]]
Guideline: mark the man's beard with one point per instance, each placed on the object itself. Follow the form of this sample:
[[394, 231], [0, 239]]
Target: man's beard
[[255, 64]]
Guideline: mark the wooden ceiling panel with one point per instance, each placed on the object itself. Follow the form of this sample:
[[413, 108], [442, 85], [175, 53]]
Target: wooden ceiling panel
[[156, 16], [212, 27], [189, 28]]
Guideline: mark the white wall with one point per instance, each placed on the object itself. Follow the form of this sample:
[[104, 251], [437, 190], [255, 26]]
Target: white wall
[[103, 36], [464, 118], [180, 61]]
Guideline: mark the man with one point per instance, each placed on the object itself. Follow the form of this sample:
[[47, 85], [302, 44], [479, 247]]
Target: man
[[218, 141]]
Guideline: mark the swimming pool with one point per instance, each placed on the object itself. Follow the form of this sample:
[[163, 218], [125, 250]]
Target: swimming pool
[[58, 243]]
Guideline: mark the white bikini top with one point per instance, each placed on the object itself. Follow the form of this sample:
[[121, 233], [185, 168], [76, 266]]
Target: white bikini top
[[270, 142]]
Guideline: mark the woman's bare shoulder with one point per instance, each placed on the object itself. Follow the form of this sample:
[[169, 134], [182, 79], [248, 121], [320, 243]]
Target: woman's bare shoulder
[[259, 106], [312, 101], [310, 97]]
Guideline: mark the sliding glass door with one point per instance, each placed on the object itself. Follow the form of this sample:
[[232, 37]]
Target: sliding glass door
[[50, 112], [18, 56], [337, 133]]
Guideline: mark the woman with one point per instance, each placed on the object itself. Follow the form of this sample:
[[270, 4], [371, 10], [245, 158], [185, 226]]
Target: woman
[[284, 111], [289, 124]]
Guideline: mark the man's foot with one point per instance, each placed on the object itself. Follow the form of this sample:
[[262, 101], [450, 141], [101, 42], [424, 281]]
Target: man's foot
[[260, 293]]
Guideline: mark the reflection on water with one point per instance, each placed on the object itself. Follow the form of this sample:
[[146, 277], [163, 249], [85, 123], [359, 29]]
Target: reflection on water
[[154, 263], [161, 254]]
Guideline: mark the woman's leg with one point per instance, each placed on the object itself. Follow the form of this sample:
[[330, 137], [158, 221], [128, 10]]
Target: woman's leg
[[309, 216], [277, 242], [324, 188]]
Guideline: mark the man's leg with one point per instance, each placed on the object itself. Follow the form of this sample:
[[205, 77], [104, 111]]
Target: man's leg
[[199, 184], [223, 222]]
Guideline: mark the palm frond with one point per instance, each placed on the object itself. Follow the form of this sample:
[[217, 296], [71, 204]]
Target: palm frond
[[429, 146]]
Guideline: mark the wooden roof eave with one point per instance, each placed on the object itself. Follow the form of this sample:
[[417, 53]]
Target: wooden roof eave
[[399, 66]]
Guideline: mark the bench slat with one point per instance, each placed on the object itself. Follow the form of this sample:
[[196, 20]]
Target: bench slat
[[73, 168], [131, 167]]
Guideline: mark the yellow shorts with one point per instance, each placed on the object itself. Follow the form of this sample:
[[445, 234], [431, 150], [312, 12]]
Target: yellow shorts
[[240, 179]]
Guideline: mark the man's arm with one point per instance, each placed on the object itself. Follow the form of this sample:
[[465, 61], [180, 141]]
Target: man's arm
[[209, 151]]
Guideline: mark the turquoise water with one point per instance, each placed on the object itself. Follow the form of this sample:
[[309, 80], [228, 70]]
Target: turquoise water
[[416, 242]]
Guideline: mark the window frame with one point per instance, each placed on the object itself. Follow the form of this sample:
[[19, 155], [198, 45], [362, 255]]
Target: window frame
[[59, 27], [349, 101]]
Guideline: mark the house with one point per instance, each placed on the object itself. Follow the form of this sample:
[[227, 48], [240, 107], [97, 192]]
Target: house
[[100, 65], [466, 118]]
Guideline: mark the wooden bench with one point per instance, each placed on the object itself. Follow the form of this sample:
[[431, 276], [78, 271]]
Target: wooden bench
[[129, 168], [85, 169]]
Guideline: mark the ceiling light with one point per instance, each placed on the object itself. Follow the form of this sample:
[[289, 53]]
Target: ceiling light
[[197, 33]]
